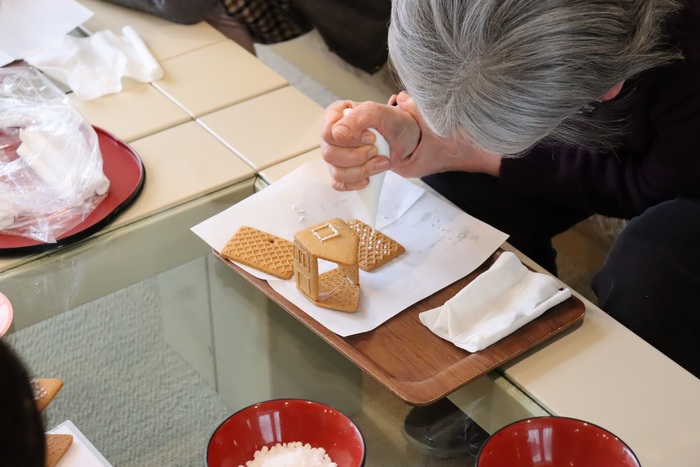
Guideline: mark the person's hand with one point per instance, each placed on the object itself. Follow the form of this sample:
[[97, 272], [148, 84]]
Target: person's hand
[[348, 147], [435, 155]]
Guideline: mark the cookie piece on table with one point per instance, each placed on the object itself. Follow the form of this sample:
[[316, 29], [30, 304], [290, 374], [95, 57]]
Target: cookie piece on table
[[56, 447], [376, 249], [45, 389], [262, 251]]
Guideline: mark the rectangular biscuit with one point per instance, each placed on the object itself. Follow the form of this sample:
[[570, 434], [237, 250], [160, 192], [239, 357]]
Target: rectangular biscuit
[[262, 251]]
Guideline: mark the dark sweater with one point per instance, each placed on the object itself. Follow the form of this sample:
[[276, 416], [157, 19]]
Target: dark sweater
[[656, 160], [356, 30], [177, 11]]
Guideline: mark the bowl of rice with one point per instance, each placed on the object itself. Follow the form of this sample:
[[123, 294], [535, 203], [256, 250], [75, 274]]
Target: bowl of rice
[[286, 432]]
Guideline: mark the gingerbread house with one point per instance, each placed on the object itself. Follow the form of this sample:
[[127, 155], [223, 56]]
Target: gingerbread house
[[333, 241]]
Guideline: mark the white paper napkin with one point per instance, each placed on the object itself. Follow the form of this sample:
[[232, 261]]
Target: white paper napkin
[[496, 303], [94, 66]]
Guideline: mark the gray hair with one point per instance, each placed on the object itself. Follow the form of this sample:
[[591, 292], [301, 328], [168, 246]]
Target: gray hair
[[507, 74]]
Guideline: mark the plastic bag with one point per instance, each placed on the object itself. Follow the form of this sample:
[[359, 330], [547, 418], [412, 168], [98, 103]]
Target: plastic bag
[[51, 175]]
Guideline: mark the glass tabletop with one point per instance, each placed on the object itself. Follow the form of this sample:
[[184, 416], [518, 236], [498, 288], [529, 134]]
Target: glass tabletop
[[151, 370]]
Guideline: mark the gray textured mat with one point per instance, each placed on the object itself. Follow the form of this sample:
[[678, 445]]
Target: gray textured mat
[[152, 409]]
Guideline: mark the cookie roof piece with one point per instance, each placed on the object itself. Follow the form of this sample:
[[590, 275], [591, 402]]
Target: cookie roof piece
[[332, 240], [376, 249], [262, 251]]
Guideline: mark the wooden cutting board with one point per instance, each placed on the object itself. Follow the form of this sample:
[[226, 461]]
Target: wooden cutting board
[[413, 363]]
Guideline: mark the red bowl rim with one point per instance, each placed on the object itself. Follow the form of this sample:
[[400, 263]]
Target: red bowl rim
[[551, 417], [286, 399]]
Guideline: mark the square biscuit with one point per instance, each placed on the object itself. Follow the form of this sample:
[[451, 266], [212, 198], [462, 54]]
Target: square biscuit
[[376, 249], [262, 251]]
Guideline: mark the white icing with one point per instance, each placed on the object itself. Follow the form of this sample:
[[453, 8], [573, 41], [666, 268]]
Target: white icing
[[334, 232]]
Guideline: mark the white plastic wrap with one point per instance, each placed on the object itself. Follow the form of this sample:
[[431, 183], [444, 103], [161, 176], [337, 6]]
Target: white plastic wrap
[[51, 175]]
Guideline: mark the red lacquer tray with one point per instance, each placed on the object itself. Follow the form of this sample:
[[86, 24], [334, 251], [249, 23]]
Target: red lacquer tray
[[126, 174]]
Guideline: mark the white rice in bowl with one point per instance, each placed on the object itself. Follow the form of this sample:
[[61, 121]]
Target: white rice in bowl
[[295, 454]]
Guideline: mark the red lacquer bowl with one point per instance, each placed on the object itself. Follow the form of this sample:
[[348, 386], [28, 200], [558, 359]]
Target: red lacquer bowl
[[554, 442], [267, 423]]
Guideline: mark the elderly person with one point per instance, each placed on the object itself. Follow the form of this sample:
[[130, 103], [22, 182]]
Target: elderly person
[[532, 115]]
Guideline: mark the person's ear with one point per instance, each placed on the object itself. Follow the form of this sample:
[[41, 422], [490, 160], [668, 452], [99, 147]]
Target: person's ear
[[612, 92]]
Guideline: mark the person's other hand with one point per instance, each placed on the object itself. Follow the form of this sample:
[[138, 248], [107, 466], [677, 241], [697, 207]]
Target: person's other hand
[[435, 154], [348, 146]]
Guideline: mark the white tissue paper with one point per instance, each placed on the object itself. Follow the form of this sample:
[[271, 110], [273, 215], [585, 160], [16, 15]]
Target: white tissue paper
[[495, 304], [94, 66]]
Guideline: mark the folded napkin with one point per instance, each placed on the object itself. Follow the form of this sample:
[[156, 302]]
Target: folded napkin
[[95, 65], [496, 303]]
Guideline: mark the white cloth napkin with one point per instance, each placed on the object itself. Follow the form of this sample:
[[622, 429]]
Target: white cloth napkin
[[501, 300], [94, 66]]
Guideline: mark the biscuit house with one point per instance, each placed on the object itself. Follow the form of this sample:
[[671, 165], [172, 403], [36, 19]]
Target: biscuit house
[[336, 242]]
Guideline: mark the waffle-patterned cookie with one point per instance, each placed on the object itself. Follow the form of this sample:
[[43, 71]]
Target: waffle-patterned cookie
[[262, 251], [337, 292], [376, 249], [56, 447]]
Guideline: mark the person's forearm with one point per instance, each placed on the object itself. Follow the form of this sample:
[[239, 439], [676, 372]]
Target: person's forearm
[[457, 154]]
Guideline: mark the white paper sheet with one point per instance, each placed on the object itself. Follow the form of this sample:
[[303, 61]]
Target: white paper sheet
[[25, 25], [443, 244], [81, 453]]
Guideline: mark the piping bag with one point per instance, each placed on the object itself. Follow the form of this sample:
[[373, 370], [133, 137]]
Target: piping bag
[[370, 194]]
